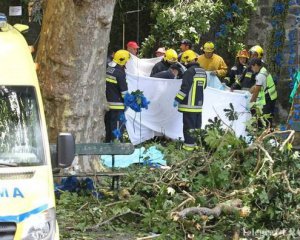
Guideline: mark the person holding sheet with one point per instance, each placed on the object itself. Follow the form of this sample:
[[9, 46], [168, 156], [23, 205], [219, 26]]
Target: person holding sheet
[[170, 57], [189, 99], [264, 92], [212, 62], [116, 88]]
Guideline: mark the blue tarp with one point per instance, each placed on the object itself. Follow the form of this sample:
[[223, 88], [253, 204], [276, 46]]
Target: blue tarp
[[152, 157]]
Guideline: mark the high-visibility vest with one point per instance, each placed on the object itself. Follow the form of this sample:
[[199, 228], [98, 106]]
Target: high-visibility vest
[[270, 88]]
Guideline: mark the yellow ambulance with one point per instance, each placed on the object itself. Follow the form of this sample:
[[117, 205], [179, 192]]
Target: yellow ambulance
[[27, 203]]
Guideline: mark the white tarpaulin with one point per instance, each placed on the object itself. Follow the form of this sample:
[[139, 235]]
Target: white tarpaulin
[[161, 118]]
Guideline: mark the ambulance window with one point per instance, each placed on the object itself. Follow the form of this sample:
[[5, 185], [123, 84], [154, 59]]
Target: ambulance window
[[21, 142]]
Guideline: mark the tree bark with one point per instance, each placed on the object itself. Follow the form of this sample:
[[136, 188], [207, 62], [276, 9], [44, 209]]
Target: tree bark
[[72, 62]]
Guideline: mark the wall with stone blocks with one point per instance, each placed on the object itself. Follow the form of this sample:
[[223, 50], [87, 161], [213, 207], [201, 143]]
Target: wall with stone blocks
[[259, 29]]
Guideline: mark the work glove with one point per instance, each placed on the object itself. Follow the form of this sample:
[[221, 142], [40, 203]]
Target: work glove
[[213, 73], [175, 103], [227, 81]]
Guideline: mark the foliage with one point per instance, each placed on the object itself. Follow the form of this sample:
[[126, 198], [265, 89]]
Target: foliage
[[35, 9], [196, 19], [181, 19], [263, 174], [276, 37], [233, 26], [292, 42]]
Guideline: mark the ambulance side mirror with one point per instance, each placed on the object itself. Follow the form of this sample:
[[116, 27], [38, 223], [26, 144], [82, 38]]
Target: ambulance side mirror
[[65, 149]]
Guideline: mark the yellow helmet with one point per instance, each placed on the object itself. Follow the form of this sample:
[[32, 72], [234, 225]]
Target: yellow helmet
[[171, 56], [257, 49], [121, 57], [209, 47], [188, 56]]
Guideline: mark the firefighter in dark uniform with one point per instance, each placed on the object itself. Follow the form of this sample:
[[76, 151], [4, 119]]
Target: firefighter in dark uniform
[[190, 97], [169, 59], [247, 79], [116, 88], [171, 73], [235, 73]]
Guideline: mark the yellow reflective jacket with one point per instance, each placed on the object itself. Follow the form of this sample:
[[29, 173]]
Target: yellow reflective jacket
[[215, 63], [270, 88]]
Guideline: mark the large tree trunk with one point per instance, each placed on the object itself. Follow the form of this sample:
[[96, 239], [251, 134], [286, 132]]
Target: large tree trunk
[[71, 56]]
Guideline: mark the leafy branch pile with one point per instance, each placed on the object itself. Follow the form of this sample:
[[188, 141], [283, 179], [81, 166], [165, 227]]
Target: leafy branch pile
[[226, 189]]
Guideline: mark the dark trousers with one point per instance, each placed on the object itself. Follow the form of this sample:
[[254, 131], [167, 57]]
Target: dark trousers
[[191, 121], [268, 108], [112, 122]]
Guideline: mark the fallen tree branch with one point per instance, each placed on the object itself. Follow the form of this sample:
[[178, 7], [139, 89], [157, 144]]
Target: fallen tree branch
[[148, 237], [291, 135], [145, 183], [112, 218], [115, 203], [83, 206], [189, 199], [267, 134], [286, 179], [268, 156], [242, 191], [229, 206]]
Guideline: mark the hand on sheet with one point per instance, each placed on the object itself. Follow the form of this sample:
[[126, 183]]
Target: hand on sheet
[[175, 103], [213, 73]]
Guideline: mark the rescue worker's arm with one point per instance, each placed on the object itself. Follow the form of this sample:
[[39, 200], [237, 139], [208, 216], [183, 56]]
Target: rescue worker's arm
[[230, 79], [153, 71], [222, 71], [252, 89], [185, 87], [158, 67], [121, 78], [238, 82], [260, 80], [255, 93]]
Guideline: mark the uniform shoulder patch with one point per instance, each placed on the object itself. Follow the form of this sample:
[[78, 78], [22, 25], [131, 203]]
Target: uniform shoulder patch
[[110, 70]]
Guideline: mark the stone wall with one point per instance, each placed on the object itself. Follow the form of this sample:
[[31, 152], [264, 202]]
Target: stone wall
[[259, 29]]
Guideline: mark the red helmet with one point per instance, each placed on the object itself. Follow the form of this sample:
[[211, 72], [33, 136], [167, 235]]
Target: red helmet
[[243, 53]]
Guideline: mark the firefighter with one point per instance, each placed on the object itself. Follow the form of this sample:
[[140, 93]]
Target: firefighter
[[185, 44], [264, 92], [256, 52], [189, 99], [212, 62], [247, 80], [171, 73], [116, 88], [238, 69], [163, 65]]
